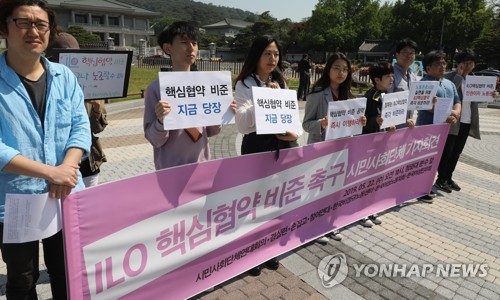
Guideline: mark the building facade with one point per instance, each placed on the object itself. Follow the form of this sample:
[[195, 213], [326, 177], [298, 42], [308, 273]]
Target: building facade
[[372, 51], [125, 24]]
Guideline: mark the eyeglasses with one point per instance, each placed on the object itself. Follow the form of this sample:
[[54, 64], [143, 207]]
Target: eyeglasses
[[23, 23], [439, 63], [408, 53], [340, 70]]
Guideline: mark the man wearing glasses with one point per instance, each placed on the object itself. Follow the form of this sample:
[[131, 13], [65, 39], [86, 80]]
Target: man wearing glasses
[[435, 67], [44, 132]]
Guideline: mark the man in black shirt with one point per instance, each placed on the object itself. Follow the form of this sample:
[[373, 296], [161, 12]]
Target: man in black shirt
[[304, 69]]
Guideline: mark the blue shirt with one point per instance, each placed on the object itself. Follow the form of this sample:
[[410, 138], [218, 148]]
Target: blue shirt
[[21, 132], [446, 89]]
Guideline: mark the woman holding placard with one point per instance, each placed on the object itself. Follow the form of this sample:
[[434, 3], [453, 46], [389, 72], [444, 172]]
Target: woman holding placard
[[262, 68], [333, 85]]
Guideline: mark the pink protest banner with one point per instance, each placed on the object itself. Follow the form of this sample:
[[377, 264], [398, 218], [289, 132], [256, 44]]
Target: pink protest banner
[[179, 231]]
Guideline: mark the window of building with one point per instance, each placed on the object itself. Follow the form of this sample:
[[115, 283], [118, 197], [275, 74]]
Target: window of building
[[114, 21], [81, 19], [97, 20]]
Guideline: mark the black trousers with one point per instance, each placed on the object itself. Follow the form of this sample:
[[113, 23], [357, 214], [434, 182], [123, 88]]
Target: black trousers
[[304, 83], [453, 148], [22, 267]]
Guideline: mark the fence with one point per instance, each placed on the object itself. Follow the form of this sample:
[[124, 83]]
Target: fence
[[163, 63]]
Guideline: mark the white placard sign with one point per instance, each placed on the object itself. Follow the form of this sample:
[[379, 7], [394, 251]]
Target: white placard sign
[[31, 217], [344, 118], [198, 99], [442, 110], [479, 88], [421, 94], [102, 74], [276, 110], [394, 108]]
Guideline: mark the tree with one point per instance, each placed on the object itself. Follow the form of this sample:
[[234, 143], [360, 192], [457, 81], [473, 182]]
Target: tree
[[435, 24], [487, 45], [265, 25], [343, 25], [82, 36]]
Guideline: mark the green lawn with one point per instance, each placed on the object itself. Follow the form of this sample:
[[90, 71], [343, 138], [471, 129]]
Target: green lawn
[[139, 79]]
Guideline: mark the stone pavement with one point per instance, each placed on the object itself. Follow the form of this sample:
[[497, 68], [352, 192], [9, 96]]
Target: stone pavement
[[461, 227]]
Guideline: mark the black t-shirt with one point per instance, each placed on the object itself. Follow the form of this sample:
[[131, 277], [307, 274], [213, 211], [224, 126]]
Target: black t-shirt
[[304, 66], [37, 91]]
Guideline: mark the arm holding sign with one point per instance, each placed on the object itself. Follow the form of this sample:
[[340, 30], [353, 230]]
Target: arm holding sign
[[315, 116], [457, 105], [153, 126], [245, 112]]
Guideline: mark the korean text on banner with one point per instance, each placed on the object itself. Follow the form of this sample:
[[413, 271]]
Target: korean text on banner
[[213, 222], [197, 98], [394, 108], [479, 88], [421, 94], [276, 110], [344, 118]]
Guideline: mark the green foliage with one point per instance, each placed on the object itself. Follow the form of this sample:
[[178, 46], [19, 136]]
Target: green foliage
[[487, 45], [82, 36], [447, 24], [343, 25], [264, 25]]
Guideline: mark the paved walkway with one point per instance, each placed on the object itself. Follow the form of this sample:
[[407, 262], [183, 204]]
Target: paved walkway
[[461, 227]]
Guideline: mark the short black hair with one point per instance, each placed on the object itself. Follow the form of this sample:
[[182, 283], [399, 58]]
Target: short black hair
[[380, 69], [465, 55], [433, 56], [406, 43], [7, 8], [182, 28]]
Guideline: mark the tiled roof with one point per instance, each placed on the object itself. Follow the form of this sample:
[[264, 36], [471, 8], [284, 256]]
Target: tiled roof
[[377, 46], [229, 23]]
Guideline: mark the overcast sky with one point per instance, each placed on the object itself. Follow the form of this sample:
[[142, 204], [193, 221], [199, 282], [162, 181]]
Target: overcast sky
[[296, 10]]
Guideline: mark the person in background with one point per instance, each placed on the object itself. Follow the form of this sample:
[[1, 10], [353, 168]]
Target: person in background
[[435, 67], [96, 111], [304, 69], [262, 68], [460, 131], [182, 146], [333, 85], [406, 50], [44, 132]]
